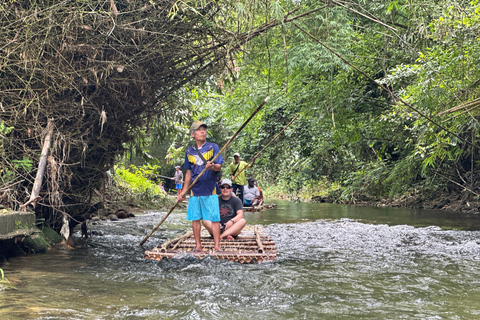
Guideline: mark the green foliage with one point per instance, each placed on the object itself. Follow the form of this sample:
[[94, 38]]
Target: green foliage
[[176, 155], [350, 130], [24, 165], [137, 184], [137, 178], [352, 135], [5, 174], [440, 78], [4, 129], [19, 225], [318, 188]]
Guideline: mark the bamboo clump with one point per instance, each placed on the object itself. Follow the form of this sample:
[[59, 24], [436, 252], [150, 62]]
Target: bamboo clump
[[103, 71]]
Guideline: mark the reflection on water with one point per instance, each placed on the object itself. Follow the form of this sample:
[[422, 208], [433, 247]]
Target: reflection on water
[[334, 262]]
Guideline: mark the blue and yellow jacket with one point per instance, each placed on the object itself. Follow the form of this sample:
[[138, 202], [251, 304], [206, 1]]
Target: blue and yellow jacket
[[205, 186]]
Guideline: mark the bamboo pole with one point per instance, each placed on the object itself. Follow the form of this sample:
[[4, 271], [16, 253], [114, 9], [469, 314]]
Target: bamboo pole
[[164, 177], [205, 169], [258, 240], [255, 157], [177, 240]]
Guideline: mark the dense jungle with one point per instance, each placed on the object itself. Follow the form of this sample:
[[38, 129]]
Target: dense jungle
[[97, 97]]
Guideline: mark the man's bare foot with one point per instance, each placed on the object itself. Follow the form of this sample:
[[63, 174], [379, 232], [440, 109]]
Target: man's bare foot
[[229, 237]]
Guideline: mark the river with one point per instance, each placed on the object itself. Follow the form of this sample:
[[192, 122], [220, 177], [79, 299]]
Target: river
[[334, 262]]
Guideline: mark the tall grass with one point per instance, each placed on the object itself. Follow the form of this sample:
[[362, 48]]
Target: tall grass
[[4, 283]]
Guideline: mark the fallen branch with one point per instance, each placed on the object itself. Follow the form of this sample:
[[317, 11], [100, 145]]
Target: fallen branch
[[454, 182], [41, 166]]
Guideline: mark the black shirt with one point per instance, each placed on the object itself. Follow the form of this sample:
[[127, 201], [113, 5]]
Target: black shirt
[[229, 208]]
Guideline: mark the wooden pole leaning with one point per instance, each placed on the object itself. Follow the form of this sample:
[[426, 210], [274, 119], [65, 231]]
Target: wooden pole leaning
[[255, 157], [164, 177], [177, 240], [258, 240], [205, 169], [37, 184]]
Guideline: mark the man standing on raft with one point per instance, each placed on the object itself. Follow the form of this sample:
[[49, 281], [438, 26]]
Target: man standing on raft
[[203, 201]]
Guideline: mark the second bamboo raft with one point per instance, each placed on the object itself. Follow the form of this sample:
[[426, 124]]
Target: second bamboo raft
[[259, 208]]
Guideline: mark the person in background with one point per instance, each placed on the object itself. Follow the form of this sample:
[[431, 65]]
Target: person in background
[[239, 182], [260, 198], [203, 201], [178, 179], [251, 194], [231, 213], [160, 185]]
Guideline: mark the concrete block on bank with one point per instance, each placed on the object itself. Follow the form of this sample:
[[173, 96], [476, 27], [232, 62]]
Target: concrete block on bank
[[16, 224]]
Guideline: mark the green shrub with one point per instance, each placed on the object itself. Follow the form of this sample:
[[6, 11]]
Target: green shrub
[[135, 184]]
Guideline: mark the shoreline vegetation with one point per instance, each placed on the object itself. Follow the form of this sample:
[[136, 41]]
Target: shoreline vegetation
[[414, 200]]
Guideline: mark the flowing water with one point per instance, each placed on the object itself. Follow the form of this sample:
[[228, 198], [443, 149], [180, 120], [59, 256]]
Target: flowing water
[[334, 262]]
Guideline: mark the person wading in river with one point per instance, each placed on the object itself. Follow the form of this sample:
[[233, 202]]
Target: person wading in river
[[203, 201], [231, 213], [178, 179]]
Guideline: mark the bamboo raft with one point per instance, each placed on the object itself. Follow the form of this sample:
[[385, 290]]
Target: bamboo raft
[[259, 208], [252, 245]]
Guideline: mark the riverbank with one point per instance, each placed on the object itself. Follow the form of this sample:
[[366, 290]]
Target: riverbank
[[36, 241], [414, 200], [21, 238], [453, 203]]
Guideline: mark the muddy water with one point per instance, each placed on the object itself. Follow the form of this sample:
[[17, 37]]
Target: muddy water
[[334, 262]]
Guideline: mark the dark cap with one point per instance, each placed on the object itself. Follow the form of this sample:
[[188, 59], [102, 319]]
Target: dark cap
[[197, 124], [250, 179]]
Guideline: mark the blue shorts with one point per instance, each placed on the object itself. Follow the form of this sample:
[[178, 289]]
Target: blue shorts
[[178, 186], [248, 203], [203, 208]]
